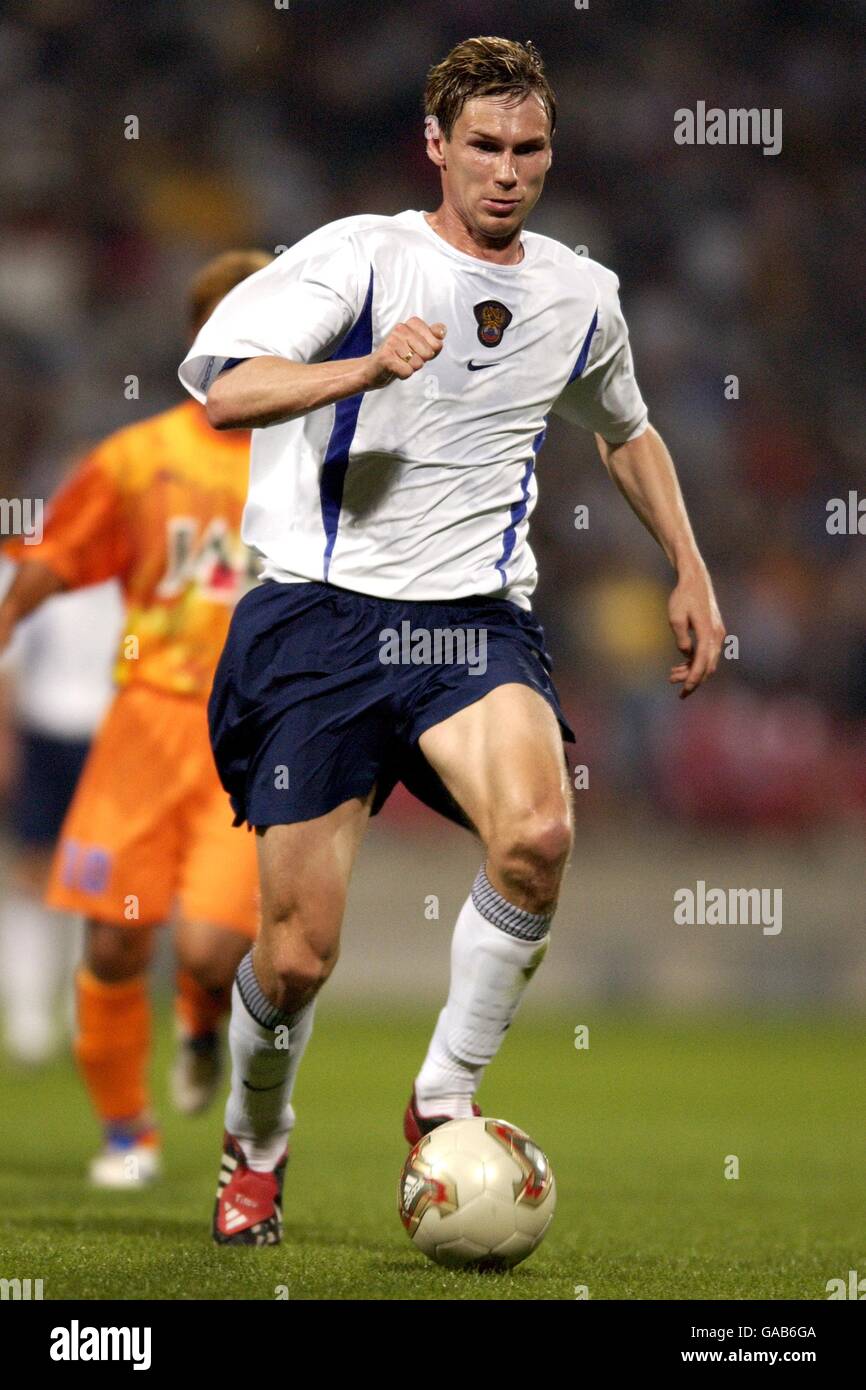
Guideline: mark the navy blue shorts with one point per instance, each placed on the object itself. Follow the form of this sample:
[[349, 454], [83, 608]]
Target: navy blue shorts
[[322, 693], [47, 775]]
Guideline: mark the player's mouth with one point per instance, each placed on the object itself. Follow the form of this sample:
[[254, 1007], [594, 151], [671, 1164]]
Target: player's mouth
[[500, 205]]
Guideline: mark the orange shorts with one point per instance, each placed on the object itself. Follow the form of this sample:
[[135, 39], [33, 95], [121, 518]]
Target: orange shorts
[[150, 824]]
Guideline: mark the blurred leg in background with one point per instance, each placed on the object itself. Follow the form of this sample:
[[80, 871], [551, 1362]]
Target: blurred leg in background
[[38, 946]]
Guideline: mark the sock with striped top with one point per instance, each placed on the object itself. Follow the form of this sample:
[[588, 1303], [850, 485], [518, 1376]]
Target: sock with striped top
[[266, 1048], [495, 951]]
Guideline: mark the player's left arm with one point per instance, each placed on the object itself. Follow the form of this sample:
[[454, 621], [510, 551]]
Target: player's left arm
[[643, 470]]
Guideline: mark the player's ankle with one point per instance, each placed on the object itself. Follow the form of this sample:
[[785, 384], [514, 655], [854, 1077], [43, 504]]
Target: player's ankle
[[262, 1155], [138, 1129], [456, 1104]]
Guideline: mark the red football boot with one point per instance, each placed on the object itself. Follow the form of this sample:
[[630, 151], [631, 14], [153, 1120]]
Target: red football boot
[[248, 1209], [415, 1126]]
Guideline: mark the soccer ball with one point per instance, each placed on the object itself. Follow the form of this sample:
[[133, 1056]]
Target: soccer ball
[[476, 1194]]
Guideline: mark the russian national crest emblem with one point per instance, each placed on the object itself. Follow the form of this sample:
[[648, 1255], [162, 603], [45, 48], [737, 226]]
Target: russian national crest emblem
[[493, 318]]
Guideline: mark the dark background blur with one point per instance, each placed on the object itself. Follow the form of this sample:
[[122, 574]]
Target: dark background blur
[[258, 124]]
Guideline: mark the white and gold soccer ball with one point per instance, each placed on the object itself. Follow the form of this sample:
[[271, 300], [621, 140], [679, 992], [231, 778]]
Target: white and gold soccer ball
[[477, 1194]]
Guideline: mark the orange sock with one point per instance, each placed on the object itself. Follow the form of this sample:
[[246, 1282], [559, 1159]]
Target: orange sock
[[198, 1010], [112, 1047]]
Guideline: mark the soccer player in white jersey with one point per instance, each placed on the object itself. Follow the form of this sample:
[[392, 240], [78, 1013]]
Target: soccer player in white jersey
[[397, 373]]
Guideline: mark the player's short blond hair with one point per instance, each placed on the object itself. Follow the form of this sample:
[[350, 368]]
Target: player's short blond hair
[[485, 67], [215, 279]]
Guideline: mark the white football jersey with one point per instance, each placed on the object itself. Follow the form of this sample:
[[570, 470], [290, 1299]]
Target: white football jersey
[[423, 489]]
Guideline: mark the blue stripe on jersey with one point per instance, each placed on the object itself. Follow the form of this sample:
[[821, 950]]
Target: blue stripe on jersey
[[579, 365], [357, 343], [231, 362], [518, 512]]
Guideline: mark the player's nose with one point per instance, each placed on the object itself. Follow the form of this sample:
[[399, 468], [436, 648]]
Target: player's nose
[[506, 174]]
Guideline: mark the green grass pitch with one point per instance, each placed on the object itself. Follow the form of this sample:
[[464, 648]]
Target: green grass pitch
[[637, 1127]]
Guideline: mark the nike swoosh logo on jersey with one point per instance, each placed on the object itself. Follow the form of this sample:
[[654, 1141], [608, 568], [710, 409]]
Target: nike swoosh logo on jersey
[[262, 1088], [479, 366]]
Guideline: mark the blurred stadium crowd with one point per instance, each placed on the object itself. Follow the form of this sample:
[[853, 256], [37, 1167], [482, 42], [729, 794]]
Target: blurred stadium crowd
[[256, 124]]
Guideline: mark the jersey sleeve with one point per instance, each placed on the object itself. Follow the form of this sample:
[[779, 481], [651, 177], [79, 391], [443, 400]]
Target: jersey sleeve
[[299, 307], [84, 536], [604, 396]]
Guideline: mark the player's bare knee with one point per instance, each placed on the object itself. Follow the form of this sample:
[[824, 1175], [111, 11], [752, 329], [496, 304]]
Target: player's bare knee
[[297, 969], [542, 839], [114, 954], [297, 982], [529, 855]]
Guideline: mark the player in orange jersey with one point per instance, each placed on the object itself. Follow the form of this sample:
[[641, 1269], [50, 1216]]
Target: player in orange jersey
[[158, 506]]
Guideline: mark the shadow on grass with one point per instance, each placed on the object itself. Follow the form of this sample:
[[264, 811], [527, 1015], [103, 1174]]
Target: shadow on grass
[[489, 1278]]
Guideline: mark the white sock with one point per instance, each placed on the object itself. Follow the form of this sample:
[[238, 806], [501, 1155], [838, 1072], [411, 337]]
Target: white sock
[[495, 950], [73, 941], [266, 1048], [31, 965]]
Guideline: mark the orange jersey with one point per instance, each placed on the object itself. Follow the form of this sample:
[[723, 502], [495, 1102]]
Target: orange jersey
[[158, 507]]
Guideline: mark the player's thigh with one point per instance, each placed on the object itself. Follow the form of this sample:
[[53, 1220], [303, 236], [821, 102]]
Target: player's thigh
[[118, 854], [304, 872], [219, 875], [502, 760]]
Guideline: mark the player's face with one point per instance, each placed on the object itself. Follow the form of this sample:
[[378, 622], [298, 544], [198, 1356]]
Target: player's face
[[495, 163]]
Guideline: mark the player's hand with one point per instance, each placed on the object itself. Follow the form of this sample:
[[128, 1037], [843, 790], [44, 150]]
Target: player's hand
[[698, 628], [404, 352]]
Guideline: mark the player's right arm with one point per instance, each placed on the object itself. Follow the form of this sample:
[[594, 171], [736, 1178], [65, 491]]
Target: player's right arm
[[84, 540], [270, 390], [268, 352]]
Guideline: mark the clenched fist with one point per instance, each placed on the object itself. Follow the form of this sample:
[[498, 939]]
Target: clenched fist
[[404, 352]]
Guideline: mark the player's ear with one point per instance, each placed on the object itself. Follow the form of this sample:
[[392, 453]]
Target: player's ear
[[436, 151]]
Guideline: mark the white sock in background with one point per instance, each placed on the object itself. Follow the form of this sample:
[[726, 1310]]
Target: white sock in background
[[495, 950], [266, 1049], [73, 942], [32, 956]]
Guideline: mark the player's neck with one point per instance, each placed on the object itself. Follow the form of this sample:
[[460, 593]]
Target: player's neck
[[448, 224]]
